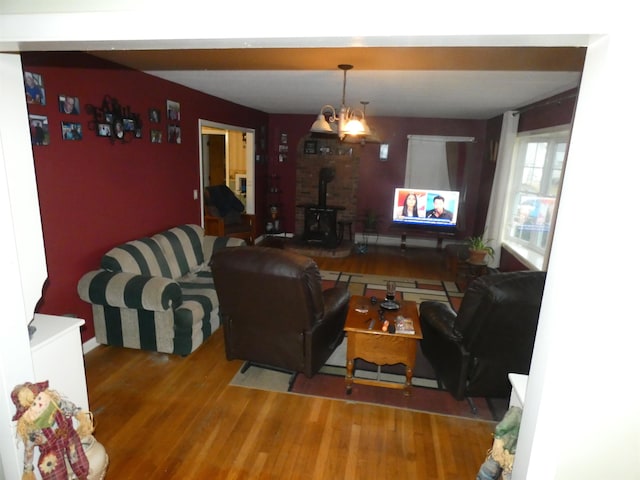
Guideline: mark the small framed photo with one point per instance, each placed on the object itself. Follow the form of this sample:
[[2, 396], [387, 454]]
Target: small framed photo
[[156, 136], [39, 126], [310, 147], [174, 134], [71, 131], [118, 129], [384, 152], [154, 115], [128, 124], [173, 111], [68, 104], [34, 88], [104, 129]]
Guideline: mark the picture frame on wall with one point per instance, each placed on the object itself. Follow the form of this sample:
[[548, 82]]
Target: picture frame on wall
[[154, 115], [114, 121], [156, 136], [129, 124], [39, 127], [71, 131], [68, 104], [173, 111], [118, 129], [104, 129], [310, 147], [174, 134], [34, 88]]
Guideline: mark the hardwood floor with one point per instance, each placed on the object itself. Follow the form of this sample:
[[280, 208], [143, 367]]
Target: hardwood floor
[[167, 417], [419, 262]]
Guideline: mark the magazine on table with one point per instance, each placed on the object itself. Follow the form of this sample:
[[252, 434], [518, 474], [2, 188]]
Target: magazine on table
[[404, 325]]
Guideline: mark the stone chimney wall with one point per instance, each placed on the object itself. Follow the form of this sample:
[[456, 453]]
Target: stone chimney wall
[[342, 191]]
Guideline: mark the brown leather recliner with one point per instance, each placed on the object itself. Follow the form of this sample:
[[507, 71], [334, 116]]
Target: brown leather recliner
[[273, 309], [492, 334]]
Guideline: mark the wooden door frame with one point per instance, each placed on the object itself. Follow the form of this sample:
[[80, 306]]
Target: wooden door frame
[[250, 155]]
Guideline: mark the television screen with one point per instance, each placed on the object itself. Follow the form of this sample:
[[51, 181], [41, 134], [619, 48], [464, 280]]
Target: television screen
[[431, 208]]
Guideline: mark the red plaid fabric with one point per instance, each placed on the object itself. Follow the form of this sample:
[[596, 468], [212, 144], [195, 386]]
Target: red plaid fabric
[[61, 441]]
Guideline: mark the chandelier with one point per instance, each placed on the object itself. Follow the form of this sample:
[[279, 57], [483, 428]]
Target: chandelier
[[345, 121]]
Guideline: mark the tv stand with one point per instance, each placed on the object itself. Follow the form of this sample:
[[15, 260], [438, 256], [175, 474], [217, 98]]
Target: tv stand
[[406, 230]]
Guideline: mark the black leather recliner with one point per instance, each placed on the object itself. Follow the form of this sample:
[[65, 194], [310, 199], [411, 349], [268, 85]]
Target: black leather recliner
[[493, 334], [274, 311], [225, 215]]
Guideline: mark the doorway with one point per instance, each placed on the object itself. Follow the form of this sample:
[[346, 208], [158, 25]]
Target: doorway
[[226, 156]]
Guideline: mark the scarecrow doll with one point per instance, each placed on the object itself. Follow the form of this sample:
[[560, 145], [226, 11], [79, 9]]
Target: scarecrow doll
[[46, 421]]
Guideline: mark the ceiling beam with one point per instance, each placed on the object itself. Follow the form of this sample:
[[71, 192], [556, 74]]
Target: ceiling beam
[[566, 59]]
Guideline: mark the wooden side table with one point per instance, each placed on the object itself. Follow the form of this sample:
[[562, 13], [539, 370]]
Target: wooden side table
[[469, 272], [376, 346]]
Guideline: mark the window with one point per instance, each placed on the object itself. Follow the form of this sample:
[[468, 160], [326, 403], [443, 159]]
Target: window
[[535, 183]]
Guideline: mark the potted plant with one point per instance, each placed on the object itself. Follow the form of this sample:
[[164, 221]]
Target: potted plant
[[479, 248]]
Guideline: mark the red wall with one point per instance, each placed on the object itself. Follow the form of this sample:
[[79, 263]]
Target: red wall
[[553, 111], [377, 179], [94, 194]]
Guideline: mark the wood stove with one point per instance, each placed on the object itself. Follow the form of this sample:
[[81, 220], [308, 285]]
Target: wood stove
[[321, 220]]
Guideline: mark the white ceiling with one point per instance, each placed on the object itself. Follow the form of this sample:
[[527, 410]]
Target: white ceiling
[[425, 82], [425, 93]]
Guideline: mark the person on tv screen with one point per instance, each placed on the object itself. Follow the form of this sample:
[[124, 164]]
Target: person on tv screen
[[409, 207], [438, 210]]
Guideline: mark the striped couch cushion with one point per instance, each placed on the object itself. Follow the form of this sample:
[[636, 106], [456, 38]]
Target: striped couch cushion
[[143, 256], [129, 290], [182, 247], [170, 254]]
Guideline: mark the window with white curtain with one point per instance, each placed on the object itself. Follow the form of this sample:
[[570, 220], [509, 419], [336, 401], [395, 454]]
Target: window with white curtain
[[427, 161], [535, 183]]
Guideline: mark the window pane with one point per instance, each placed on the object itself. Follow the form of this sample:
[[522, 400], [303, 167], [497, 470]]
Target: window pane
[[556, 173], [534, 187], [532, 220], [533, 166]]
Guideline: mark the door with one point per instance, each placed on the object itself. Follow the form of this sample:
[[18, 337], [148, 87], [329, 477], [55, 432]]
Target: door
[[217, 143], [217, 159]]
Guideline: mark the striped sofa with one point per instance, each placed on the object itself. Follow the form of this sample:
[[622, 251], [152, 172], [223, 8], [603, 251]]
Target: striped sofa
[[156, 293]]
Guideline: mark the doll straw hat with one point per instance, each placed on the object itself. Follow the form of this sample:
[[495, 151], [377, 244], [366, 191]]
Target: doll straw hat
[[23, 403]]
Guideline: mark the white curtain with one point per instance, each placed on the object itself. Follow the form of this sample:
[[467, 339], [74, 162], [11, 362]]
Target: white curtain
[[498, 203], [427, 161]]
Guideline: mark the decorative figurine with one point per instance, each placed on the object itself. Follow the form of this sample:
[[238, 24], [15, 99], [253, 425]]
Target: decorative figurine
[[45, 420]]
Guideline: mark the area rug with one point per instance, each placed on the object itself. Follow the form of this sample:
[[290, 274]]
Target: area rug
[[426, 396], [416, 289]]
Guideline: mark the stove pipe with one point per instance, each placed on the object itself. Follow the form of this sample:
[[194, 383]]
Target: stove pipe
[[326, 175]]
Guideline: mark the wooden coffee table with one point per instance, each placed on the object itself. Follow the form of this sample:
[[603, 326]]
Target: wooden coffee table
[[376, 346]]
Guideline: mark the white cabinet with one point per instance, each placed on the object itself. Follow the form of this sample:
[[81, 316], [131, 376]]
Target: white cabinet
[[56, 350]]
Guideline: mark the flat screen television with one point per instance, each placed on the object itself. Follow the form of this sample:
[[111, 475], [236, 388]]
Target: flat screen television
[[434, 209]]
